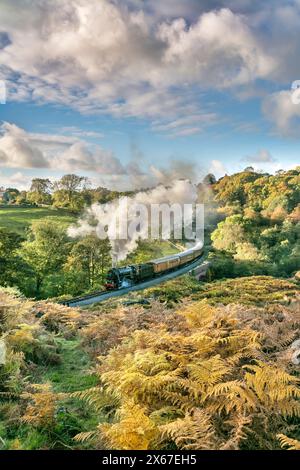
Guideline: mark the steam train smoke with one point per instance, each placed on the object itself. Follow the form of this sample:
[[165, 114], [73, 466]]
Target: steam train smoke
[[101, 218]]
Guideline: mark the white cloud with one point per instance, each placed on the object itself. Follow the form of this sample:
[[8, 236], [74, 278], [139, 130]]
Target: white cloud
[[100, 56], [80, 157], [281, 111], [191, 8], [145, 59], [262, 156], [186, 125], [18, 180], [217, 168], [19, 149], [77, 132], [219, 50]]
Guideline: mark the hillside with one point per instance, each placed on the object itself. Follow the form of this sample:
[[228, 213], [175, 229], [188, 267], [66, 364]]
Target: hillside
[[190, 375], [255, 223], [184, 365], [19, 219], [149, 232], [252, 226]]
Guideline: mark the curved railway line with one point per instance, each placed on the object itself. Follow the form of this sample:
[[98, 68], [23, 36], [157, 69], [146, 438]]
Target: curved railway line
[[100, 296]]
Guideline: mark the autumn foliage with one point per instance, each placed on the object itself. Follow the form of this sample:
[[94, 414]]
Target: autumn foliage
[[194, 375], [220, 380]]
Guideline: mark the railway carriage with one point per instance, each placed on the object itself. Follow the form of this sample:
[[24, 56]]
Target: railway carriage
[[118, 278], [164, 264], [186, 257]]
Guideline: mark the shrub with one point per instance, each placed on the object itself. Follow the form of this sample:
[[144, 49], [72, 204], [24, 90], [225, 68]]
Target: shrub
[[206, 386]]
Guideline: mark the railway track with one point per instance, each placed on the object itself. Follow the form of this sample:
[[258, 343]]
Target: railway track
[[100, 296]]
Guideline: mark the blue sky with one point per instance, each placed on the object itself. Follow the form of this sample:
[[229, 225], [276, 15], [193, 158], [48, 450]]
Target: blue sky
[[134, 93]]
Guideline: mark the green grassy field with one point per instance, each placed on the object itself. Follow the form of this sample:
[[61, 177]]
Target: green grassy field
[[18, 219]]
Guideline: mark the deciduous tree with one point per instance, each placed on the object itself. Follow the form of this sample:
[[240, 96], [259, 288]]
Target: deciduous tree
[[46, 250]]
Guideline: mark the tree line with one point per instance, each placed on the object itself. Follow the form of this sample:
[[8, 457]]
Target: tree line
[[72, 192], [258, 223], [48, 263], [253, 223]]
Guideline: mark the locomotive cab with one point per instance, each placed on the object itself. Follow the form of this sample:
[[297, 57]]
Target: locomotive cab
[[118, 278], [112, 280]]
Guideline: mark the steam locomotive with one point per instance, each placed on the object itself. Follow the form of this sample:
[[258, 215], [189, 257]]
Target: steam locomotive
[[120, 278]]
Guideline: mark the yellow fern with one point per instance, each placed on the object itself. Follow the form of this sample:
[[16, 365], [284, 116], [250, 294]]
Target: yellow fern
[[134, 430], [42, 404], [193, 432], [286, 442], [203, 385]]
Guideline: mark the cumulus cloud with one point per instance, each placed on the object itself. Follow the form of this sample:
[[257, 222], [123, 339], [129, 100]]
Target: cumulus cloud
[[219, 50], [149, 60], [140, 175], [177, 169], [262, 156], [191, 8], [281, 111], [18, 180], [217, 168], [131, 58], [19, 149], [79, 156]]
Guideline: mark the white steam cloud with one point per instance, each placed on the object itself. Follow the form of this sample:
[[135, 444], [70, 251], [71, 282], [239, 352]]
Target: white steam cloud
[[101, 218]]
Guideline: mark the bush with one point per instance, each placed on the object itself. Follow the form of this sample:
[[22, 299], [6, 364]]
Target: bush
[[208, 385]]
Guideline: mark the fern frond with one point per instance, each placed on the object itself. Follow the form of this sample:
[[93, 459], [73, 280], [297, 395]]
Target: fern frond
[[238, 433], [134, 430], [85, 436], [193, 432], [291, 444]]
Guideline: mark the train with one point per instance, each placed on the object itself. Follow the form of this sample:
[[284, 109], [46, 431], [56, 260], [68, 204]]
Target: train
[[126, 276]]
